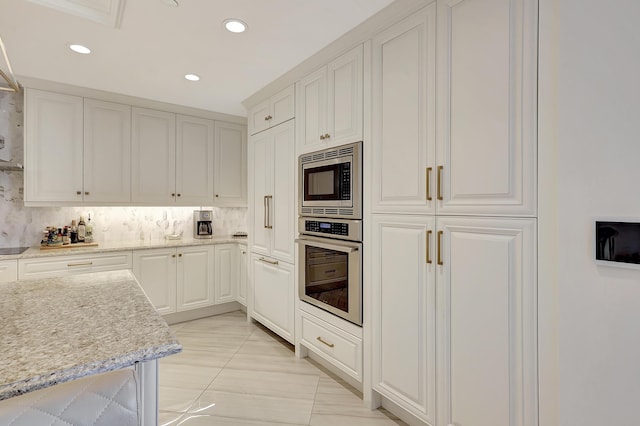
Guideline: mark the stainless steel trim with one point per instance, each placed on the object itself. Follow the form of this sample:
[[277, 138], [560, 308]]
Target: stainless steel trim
[[265, 260], [328, 244], [355, 228]]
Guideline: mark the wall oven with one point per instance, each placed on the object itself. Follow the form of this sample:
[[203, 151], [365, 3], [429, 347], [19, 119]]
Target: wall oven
[[330, 254], [331, 182]]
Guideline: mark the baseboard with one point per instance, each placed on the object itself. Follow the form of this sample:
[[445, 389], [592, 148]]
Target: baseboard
[[208, 311]]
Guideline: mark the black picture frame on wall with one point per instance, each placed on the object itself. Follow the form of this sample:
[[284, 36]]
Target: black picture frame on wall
[[617, 243]]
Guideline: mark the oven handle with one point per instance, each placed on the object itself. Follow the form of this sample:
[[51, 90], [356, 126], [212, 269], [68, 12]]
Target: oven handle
[[349, 248]]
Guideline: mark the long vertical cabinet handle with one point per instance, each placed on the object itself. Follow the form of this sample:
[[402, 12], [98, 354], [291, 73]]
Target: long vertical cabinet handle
[[269, 198], [428, 255], [264, 203], [440, 182], [440, 248], [428, 183]]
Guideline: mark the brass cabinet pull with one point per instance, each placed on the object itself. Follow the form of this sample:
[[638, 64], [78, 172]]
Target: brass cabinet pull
[[326, 343], [272, 262], [429, 232], [173, 194], [264, 216], [428, 183], [173, 255], [327, 136], [440, 182], [71, 265], [321, 137], [269, 198], [217, 195], [180, 255], [179, 195], [440, 248], [266, 118], [78, 192], [86, 192]]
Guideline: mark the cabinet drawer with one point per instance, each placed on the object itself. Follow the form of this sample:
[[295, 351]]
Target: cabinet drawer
[[334, 345], [8, 271], [76, 264]]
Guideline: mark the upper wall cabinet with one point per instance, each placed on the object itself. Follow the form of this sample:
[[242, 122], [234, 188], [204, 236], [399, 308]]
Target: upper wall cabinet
[[172, 158], [273, 111], [230, 180], [77, 151], [487, 93], [330, 104]]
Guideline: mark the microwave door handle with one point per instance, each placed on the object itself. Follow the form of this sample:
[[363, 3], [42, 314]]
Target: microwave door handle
[[327, 246]]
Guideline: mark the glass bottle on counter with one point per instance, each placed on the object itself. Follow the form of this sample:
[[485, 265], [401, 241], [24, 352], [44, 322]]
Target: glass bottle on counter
[[74, 232], [88, 238], [82, 230]]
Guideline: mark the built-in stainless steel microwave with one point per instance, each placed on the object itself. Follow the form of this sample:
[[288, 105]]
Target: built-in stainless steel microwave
[[331, 182]]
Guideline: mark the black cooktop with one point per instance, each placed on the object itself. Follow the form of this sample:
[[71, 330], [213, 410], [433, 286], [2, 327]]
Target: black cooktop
[[12, 250]]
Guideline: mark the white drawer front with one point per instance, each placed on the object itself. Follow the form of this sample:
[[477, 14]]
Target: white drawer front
[[8, 271], [75, 264], [336, 346]]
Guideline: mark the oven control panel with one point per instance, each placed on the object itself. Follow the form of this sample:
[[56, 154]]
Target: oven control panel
[[344, 229]]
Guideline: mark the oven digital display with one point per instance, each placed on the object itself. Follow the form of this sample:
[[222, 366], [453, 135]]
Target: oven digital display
[[325, 225]]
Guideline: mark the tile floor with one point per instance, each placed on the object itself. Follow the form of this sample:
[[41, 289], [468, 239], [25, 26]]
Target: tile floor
[[232, 372]]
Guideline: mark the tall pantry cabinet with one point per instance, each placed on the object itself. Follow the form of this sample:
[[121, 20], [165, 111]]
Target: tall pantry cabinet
[[452, 254], [272, 215]]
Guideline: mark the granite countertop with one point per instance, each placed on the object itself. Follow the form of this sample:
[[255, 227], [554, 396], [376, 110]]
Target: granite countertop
[[103, 247], [59, 329]]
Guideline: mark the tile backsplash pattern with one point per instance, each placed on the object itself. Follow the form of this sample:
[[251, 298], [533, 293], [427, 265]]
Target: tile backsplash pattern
[[23, 226]]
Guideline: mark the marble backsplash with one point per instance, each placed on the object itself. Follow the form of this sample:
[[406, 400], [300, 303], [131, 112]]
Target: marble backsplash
[[23, 226]]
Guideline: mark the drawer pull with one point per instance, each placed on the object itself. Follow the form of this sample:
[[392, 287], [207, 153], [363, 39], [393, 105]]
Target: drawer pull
[[273, 262], [326, 343], [71, 265]]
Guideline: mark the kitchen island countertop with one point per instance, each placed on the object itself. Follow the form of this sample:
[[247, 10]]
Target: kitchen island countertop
[[59, 329]]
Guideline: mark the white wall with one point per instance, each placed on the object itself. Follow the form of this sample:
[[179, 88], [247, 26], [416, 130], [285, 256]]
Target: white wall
[[597, 75]]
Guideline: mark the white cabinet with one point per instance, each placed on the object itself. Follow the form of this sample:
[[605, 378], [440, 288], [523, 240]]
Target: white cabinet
[[243, 262], [487, 316], [56, 266], [487, 105], [272, 174], [53, 147], [273, 111], [404, 312], [176, 279], [230, 180], [8, 271], [482, 161], [329, 103], [478, 276], [273, 295], [107, 152], [153, 157], [194, 161], [155, 270], [226, 273], [172, 159], [403, 115]]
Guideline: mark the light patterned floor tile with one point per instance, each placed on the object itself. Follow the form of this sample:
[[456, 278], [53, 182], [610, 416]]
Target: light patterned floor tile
[[289, 364], [186, 376], [343, 420], [266, 347], [267, 383], [169, 418], [176, 399], [211, 357], [207, 420], [253, 407]]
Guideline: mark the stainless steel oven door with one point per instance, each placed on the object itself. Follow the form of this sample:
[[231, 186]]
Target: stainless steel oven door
[[331, 276]]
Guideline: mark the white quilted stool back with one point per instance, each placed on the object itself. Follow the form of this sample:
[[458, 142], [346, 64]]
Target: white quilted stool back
[[106, 399]]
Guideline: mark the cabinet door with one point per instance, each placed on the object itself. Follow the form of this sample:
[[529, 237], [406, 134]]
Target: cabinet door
[[487, 82], [195, 277], [403, 123], [194, 161], [8, 271], [403, 296], [282, 212], [107, 152], [242, 280], [259, 117], [261, 175], [53, 147], [153, 156], [282, 106], [155, 270], [487, 319], [230, 171], [273, 295], [226, 273], [311, 111], [344, 98]]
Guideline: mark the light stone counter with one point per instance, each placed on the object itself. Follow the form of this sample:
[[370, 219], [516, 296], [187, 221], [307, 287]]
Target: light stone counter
[[34, 252], [59, 329]]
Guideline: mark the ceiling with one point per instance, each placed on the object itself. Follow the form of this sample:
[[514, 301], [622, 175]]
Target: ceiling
[[144, 48]]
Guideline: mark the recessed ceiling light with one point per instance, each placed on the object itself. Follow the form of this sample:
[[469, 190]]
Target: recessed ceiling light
[[235, 25], [78, 48], [192, 77]]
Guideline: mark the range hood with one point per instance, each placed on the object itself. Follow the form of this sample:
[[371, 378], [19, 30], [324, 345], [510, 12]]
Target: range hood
[[8, 81]]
